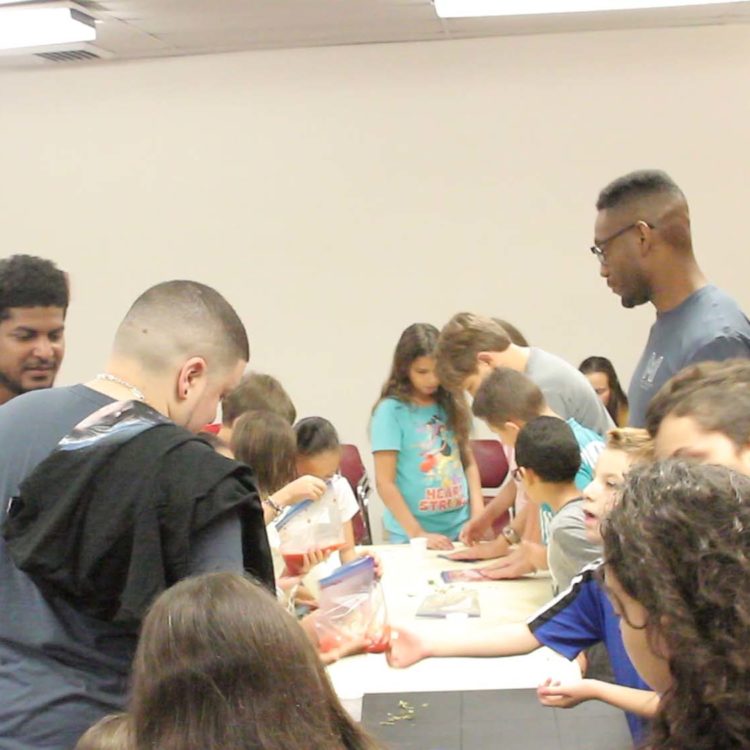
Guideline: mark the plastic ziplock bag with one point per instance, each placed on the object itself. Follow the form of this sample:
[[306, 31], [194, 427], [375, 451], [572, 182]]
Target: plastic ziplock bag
[[309, 526], [352, 608]]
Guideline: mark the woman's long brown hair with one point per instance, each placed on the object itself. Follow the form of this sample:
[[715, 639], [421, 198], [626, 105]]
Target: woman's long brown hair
[[420, 340], [221, 666]]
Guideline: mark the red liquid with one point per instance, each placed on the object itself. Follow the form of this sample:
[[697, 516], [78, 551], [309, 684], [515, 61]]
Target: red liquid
[[295, 561], [380, 646]]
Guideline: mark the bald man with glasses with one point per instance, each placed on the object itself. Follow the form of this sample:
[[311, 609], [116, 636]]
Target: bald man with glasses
[[645, 251]]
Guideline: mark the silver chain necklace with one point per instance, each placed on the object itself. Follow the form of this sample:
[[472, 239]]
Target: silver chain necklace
[[124, 383]]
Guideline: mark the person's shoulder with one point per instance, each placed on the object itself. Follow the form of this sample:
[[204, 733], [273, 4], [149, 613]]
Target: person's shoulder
[[48, 399], [584, 435], [570, 516], [389, 406]]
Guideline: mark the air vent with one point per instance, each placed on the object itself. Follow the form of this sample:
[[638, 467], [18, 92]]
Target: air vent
[[68, 56]]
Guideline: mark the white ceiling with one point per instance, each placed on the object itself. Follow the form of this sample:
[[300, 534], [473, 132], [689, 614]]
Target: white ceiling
[[129, 29]]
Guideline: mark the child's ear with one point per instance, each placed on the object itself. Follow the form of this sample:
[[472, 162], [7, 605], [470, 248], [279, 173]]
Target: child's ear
[[485, 358]]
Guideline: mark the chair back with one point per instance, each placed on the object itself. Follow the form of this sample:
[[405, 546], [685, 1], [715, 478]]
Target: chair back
[[355, 473]]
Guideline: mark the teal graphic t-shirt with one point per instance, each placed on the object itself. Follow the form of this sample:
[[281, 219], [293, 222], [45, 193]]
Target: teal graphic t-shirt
[[429, 473]]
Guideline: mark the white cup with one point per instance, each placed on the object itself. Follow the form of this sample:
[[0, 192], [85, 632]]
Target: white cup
[[418, 546], [353, 705]]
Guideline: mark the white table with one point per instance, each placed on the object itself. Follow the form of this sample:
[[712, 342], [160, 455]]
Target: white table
[[405, 584]]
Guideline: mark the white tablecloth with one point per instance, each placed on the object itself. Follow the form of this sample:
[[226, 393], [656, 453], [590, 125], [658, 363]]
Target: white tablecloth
[[406, 582]]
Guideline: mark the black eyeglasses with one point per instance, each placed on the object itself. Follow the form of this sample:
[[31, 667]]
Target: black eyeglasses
[[598, 249]]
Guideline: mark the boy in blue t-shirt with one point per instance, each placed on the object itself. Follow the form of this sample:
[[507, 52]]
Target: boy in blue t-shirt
[[577, 619]]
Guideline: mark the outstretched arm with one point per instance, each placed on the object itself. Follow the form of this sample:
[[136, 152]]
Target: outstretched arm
[[642, 702], [407, 647]]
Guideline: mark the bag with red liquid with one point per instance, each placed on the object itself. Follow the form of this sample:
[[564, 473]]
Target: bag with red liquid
[[352, 608], [309, 526]]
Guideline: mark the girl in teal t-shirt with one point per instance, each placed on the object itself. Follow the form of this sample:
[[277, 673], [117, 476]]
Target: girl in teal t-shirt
[[424, 470]]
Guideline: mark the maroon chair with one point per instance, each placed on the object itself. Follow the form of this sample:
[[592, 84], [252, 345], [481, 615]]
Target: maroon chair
[[354, 470], [493, 468]]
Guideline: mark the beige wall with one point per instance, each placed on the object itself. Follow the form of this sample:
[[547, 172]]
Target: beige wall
[[337, 195]]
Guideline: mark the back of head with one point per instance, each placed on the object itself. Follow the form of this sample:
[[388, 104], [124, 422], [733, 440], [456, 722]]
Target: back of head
[[548, 447], [28, 281], [507, 395], [257, 392], [633, 441], [678, 543], [463, 337], [221, 665], [175, 320], [514, 334], [266, 442], [315, 435], [715, 394], [650, 195]]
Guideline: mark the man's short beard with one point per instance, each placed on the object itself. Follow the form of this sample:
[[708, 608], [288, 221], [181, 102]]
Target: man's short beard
[[14, 386]]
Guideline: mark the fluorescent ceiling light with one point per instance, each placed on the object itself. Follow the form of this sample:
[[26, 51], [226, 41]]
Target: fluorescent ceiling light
[[39, 27], [477, 8]]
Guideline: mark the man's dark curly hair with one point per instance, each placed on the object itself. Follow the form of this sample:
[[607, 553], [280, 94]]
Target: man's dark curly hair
[[678, 542], [28, 281]]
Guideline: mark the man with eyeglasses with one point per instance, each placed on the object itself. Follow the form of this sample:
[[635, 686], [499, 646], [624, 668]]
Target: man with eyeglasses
[[644, 247]]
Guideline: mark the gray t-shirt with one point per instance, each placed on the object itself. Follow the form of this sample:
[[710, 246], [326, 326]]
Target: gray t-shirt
[[567, 392], [61, 671], [708, 325], [569, 549]]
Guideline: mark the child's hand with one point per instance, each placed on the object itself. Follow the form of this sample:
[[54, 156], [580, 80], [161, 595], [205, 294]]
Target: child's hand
[[376, 560], [405, 648], [473, 531], [484, 551], [306, 487], [514, 565], [553, 693], [312, 558], [437, 541]]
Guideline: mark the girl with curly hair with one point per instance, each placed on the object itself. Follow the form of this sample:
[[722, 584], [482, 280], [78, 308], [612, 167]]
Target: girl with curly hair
[[424, 469], [677, 567]]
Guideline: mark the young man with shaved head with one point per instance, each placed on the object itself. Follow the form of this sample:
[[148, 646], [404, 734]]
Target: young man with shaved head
[[644, 245], [100, 516]]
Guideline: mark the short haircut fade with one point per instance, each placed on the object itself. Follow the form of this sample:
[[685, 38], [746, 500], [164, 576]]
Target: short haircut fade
[[636, 185], [182, 318]]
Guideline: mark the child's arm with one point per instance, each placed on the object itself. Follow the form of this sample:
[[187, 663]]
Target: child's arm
[[475, 529], [642, 702], [407, 648], [476, 500], [385, 481], [348, 553]]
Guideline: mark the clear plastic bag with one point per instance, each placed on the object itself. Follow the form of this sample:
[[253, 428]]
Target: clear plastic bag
[[352, 608], [308, 527]]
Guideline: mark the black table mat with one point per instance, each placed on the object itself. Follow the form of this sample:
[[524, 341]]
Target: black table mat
[[497, 719]]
